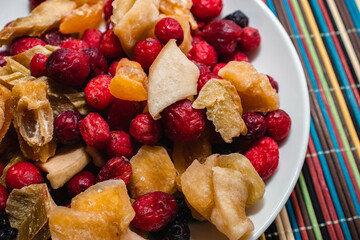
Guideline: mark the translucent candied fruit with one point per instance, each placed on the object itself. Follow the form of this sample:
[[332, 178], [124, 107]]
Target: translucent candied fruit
[[127, 89]]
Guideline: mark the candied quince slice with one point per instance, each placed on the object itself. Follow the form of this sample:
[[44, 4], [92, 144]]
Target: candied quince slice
[[67, 224], [24, 58], [28, 209], [152, 170], [131, 69], [134, 20], [179, 8], [5, 113], [223, 108], [110, 200], [82, 18], [45, 16], [168, 80], [254, 89], [196, 185], [126, 89]]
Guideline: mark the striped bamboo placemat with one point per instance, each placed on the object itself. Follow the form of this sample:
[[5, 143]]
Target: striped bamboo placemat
[[325, 203]]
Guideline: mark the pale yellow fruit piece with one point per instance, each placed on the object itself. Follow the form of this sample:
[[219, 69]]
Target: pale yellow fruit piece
[[196, 185], [239, 162], [223, 108], [179, 8], [5, 114], [152, 170], [168, 80], [133, 20], [45, 16], [254, 89], [69, 224], [230, 194], [24, 58], [14, 66]]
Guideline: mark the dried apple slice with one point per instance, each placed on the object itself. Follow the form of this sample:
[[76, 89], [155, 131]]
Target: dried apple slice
[[179, 8], [5, 113], [172, 77], [24, 58]]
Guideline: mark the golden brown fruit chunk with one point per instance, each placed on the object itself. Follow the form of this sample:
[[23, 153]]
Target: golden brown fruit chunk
[[45, 16], [133, 20], [13, 66], [82, 18], [179, 8], [223, 108], [254, 89], [110, 200], [230, 194], [24, 58], [28, 209], [5, 113], [168, 80], [152, 170], [131, 70], [64, 165], [12, 79]]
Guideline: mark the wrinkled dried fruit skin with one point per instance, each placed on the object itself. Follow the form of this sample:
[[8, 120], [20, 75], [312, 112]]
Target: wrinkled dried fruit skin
[[154, 211], [251, 39], [110, 45], [206, 9], [76, 44], [97, 61], [66, 127], [22, 174], [204, 78], [256, 125], [273, 83], [5, 113], [145, 129], [3, 54], [38, 65], [22, 44], [3, 198], [169, 28], [112, 68], [204, 53], [217, 68], [116, 168], [108, 9], [239, 18], [236, 56], [279, 124], [97, 92], [55, 37], [146, 51], [95, 131], [179, 8], [120, 145], [92, 37], [121, 113], [80, 182]]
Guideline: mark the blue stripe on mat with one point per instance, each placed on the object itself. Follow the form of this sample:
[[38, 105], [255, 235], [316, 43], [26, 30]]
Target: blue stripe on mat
[[292, 219]]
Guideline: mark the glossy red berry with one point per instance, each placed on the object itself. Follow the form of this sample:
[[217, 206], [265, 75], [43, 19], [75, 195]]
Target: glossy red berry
[[2, 55], [121, 113], [112, 68], [95, 131], [206, 9], [217, 68], [145, 129], [116, 168], [264, 156], [278, 124], [66, 127], [203, 52], [38, 65], [273, 83], [154, 211], [22, 174], [76, 44], [256, 125], [146, 51], [169, 28], [204, 78], [3, 198], [80, 182], [182, 122], [251, 39], [202, 67], [110, 45], [22, 44], [35, 3], [55, 37], [68, 67], [97, 62], [97, 92], [236, 56], [108, 9], [92, 37], [120, 145]]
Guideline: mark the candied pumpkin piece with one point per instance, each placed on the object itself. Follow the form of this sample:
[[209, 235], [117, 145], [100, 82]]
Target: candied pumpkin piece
[[152, 170], [230, 194], [179, 8], [127, 89], [45, 16], [28, 209], [5, 113], [110, 200], [82, 18], [255, 90], [24, 58], [223, 108], [131, 69], [133, 21]]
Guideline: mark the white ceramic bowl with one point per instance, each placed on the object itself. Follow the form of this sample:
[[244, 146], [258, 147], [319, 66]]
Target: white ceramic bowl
[[278, 58]]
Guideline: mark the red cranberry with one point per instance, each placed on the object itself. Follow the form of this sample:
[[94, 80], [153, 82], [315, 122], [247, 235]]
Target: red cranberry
[[38, 65], [202, 67], [169, 28], [223, 35], [251, 39], [108, 9], [112, 68], [22, 44], [2, 55], [278, 124], [196, 39], [273, 83], [76, 44], [35, 3], [95, 131], [204, 53], [154, 211], [120, 145], [206, 9], [68, 67], [97, 92], [236, 56], [182, 122], [97, 61], [264, 156], [204, 78], [22, 174], [66, 127], [110, 45], [217, 68], [255, 123], [92, 37], [55, 37], [116, 168], [121, 113], [145, 129], [80, 182], [146, 51], [3, 197]]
